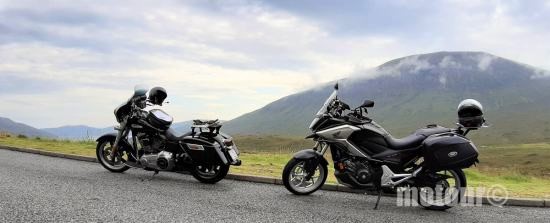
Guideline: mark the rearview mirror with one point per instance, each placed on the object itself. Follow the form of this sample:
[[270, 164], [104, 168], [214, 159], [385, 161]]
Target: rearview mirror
[[345, 106], [367, 104]]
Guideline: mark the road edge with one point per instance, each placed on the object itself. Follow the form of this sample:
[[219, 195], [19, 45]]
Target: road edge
[[522, 202]]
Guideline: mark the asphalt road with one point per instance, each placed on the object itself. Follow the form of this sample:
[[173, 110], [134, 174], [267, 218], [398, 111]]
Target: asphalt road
[[41, 188]]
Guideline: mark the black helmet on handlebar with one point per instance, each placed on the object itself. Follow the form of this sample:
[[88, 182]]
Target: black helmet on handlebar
[[157, 95]]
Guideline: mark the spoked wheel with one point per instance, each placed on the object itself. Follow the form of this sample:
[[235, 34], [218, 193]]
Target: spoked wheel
[[103, 152], [296, 181], [445, 190], [210, 174]]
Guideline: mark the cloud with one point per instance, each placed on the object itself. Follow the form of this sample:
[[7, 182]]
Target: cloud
[[485, 61], [219, 59]]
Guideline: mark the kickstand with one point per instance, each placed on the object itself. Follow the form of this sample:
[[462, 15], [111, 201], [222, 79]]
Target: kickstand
[[378, 199], [154, 174]]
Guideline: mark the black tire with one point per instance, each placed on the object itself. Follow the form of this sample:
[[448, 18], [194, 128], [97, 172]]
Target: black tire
[[103, 161], [210, 179], [290, 166], [461, 178]]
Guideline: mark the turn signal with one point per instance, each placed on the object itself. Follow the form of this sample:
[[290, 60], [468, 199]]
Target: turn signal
[[228, 142]]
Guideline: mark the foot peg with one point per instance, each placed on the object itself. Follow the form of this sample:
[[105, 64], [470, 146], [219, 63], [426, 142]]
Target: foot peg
[[133, 164]]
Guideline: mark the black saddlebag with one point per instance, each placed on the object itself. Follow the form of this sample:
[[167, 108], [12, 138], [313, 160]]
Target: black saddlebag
[[204, 150], [448, 151]]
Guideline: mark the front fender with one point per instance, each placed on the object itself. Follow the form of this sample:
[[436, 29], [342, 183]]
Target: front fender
[[107, 136], [310, 154], [112, 136]]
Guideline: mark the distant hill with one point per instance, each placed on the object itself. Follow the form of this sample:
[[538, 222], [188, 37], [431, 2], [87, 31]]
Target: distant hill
[[182, 127], [78, 132], [7, 125], [413, 91], [83, 132]]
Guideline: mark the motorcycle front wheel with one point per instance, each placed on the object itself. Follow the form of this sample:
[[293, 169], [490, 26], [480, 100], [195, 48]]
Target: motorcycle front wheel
[[294, 177], [210, 174], [103, 152]]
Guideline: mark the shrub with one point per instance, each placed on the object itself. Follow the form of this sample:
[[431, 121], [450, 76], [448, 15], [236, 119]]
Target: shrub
[[21, 136]]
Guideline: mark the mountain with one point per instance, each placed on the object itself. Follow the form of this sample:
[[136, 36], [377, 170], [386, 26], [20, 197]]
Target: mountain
[[83, 132], [78, 132], [7, 125], [182, 127], [413, 91]]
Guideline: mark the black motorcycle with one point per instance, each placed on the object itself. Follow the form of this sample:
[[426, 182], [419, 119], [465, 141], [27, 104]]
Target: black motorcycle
[[145, 140], [366, 156]]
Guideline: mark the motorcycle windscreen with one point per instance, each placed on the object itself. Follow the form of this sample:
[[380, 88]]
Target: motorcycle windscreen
[[323, 109], [140, 90]]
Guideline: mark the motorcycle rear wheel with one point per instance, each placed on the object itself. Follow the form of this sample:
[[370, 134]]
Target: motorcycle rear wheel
[[452, 190], [210, 174]]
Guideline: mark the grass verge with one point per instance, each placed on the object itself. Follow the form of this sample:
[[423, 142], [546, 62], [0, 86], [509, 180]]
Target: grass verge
[[522, 169]]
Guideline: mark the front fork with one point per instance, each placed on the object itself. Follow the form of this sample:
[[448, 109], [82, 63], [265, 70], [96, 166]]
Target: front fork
[[310, 165], [121, 134], [321, 148]]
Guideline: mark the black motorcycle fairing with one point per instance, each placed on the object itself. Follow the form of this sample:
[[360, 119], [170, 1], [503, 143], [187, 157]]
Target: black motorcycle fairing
[[369, 141], [327, 122], [123, 110]]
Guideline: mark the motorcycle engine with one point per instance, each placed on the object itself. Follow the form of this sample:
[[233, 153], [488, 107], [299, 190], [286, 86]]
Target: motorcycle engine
[[360, 171], [159, 161], [150, 143]]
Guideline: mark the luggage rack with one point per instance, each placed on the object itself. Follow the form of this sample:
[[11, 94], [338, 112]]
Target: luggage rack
[[213, 126]]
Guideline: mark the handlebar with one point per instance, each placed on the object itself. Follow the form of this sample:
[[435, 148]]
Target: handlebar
[[337, 107]]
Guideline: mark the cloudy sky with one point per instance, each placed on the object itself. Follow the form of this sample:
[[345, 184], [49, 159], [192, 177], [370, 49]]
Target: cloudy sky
[[73, 62]]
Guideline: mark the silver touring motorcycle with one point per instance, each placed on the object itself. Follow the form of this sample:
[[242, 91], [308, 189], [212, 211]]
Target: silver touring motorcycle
[[145, 140], [365, 156]]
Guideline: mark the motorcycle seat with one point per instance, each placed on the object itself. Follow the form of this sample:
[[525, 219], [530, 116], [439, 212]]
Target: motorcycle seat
[[172, 135], [408, 142], [415, 139]]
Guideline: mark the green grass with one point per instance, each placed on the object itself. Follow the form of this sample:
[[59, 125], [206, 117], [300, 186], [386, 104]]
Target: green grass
[[523, 169]]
